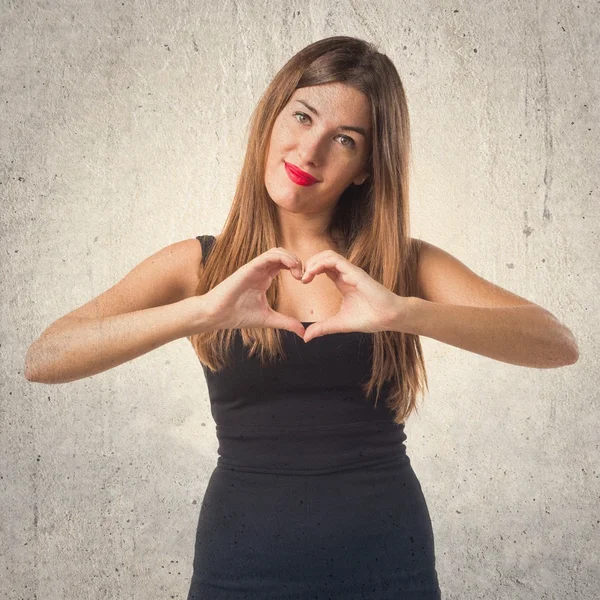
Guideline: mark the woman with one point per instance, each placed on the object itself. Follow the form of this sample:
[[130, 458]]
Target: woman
[[313, 495]]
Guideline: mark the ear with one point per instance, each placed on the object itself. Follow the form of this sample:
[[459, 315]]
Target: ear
[[361, 179]]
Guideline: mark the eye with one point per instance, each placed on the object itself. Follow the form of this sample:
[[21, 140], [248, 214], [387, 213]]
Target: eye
[[302, 115], [350, 144]]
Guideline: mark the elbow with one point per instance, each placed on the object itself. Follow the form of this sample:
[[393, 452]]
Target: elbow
[[34, 364], [573, 348], [43, 365], [568, 355], [567, 349], [574, 354], [29, 370]]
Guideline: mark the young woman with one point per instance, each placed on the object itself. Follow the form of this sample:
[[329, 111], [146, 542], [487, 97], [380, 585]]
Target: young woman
[[313, 495]]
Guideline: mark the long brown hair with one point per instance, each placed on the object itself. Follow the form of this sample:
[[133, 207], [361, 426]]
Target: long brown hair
[[371, 220]]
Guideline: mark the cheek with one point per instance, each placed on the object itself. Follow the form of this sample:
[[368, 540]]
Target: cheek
[[281, 133]]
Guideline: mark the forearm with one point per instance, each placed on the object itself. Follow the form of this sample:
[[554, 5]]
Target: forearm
[[527, 335], [74, 348]]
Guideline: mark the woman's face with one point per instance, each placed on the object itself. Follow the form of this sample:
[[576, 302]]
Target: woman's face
[[315, 140]]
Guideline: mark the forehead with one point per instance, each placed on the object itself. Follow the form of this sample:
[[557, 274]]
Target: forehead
[[337, 103]]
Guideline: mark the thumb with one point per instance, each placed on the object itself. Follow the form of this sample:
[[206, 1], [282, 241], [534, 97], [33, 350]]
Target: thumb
[[314, 330], [321, 328], [289, 324]]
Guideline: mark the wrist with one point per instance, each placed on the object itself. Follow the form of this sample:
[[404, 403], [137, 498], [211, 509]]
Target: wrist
[[406, 314], [196, 314]]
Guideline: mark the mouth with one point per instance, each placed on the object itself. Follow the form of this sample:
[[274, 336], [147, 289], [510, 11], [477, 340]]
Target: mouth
[[299, 176]]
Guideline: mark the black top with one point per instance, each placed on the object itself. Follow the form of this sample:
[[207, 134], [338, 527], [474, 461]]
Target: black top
[[317, 386], [313, 495]]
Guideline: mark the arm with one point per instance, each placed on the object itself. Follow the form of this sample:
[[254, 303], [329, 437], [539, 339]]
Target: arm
[[153, 305], [457, 307], [526, 335], [77, 347]]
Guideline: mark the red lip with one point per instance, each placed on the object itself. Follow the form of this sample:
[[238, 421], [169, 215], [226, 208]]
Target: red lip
[[298, 175]]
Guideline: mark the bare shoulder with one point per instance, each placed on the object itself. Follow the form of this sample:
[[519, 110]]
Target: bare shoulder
[[192, 261], [169, 275], [186, 261], [445, 279]]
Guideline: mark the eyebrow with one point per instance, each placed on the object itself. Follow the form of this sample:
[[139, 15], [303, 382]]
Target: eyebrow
[[342, 127]]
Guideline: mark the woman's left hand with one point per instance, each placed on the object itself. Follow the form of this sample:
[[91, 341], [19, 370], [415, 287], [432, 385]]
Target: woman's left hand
[[367, 306]]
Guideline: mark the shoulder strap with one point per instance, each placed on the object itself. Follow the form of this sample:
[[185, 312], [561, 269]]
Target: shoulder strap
[[206, 241]]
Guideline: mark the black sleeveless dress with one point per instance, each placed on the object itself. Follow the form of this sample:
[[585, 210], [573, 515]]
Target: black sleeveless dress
[[313, 495]]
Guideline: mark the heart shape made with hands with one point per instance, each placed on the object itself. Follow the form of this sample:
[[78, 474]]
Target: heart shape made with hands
[[367, 306]]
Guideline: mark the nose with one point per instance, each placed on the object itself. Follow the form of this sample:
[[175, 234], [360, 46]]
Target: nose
[[310, 148]]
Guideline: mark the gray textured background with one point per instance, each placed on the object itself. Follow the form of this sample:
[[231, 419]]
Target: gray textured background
[[123, 130]]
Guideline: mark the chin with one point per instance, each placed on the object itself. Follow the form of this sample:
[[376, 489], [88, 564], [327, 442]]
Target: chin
[[282, 193], [289, 204]]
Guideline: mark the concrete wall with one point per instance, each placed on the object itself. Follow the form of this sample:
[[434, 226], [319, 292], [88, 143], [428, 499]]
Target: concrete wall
[[123, 129]]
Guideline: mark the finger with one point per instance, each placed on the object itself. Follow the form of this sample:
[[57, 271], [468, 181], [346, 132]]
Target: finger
[[290, 254], [335, 324], [296, 260], [293, 256], [309, 334], [339, 271], [326, 261], [277, 259], [289, 324], [313, 331], [310, 274]]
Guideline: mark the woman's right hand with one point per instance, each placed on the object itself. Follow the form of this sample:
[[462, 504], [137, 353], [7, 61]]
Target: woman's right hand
[[240, 301]]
